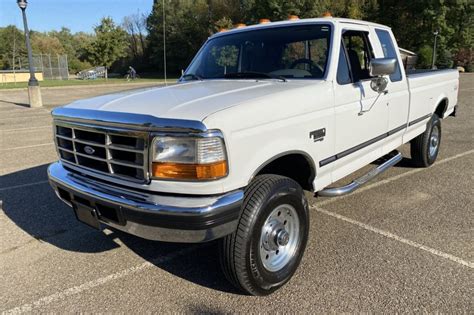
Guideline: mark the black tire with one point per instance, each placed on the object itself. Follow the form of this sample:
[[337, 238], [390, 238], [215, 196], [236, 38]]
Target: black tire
[[240, 252], [423, 151]]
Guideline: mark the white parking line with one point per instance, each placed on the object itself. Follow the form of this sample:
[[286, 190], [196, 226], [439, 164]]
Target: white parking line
[[397, 238], [98, 282], [26, 129], [394, 178], [20, 116], [28, 146], [24, 185]]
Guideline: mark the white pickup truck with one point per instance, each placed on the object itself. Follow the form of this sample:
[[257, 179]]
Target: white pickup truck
[[261, 114]]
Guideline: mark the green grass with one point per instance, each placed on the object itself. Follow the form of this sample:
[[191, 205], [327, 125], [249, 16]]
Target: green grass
[[55, 83]]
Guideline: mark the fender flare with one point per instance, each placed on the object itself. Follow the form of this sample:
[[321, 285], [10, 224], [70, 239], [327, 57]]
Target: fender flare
[[308, 158]]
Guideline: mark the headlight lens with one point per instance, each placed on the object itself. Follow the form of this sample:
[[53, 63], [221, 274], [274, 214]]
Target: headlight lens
[[198, 158]]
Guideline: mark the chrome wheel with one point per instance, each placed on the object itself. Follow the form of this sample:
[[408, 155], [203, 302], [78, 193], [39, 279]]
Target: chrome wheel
[[279, 237], [434, 141]]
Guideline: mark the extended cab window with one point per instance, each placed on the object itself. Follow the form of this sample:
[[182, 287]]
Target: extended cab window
[[389, 52], [359, 52], [293, 52]]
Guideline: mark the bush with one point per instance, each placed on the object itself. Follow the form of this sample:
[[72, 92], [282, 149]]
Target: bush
[[425, 55], [444, 59], [75, 65], [469, 67]]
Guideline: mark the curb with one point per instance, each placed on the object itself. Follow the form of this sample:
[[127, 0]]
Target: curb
[[144, 84]]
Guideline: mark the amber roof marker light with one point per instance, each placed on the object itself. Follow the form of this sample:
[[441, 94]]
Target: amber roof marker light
[[264, 21], [240, 25], [327, 14], [293, 17]]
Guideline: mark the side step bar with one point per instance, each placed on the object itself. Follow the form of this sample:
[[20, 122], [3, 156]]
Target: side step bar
[[344, 190]]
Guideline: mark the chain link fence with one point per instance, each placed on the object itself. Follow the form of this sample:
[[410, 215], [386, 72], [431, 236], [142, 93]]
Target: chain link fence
[[53, 67]]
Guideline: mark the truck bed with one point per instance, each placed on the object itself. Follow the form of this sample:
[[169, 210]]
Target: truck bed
[[429, 88]]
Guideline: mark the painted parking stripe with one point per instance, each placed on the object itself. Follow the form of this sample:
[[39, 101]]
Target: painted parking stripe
[[397, 238], [26, 129], [28, 146], [46, 115], [29, 307], [24, 185]]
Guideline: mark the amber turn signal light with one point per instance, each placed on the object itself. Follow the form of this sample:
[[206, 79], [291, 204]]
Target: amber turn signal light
[[189, 171]]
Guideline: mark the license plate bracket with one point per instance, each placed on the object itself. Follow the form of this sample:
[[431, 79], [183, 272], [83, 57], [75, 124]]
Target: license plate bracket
[[87, 215]]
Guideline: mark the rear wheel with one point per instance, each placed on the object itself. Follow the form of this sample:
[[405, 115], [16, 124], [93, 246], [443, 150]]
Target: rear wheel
[[425, 147], [266, 249]]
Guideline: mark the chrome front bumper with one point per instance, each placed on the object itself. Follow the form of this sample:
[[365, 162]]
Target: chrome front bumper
[[187, 219]]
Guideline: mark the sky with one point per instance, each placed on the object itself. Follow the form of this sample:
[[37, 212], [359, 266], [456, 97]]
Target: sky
[[77, 15]]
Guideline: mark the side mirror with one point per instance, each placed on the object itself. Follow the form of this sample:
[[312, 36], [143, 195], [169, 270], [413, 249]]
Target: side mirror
[[382, 66], [379, 67]]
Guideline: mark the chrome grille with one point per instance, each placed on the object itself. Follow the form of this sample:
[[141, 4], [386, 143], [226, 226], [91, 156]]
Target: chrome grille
[[115, 152]]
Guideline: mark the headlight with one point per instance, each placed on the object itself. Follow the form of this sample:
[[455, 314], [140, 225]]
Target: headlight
[[188, 158]]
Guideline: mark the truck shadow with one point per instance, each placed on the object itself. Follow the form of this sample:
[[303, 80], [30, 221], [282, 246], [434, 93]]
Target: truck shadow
[[404, 163], [29, 203]]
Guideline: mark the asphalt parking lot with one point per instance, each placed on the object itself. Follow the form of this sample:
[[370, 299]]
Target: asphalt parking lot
[[402, 243]]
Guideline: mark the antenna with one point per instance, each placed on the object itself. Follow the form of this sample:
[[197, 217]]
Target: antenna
[[164, 42]]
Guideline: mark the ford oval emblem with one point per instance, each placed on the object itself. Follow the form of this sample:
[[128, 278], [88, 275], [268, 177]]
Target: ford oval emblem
[[89, 150]]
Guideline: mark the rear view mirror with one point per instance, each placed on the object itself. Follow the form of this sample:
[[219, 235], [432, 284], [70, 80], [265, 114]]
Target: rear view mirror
[[382, 66]]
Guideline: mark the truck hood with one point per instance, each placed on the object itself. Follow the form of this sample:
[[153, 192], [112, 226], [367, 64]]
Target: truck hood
[[193, 101]]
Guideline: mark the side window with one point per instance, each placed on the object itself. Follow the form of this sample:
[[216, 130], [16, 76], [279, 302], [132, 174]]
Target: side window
[[343, 72], [389, 52], [359, 53]]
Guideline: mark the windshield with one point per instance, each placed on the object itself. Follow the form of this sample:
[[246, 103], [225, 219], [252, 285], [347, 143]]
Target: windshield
[[287, 52]]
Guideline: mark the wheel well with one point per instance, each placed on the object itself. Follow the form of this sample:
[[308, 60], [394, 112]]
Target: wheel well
[[441, 108], [295, 166]]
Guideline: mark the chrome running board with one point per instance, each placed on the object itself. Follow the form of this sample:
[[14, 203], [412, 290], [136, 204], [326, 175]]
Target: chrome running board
[[344, 190]]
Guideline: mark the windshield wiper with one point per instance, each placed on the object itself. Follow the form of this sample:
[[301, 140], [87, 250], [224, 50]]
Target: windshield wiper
[[253, 75], [191, 76]]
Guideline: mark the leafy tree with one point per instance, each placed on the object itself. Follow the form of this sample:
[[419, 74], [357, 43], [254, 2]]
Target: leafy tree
[[44, 44], [223, 24], [12, 46], [109, 45], [187, 27], [73, 45], [425, 54]]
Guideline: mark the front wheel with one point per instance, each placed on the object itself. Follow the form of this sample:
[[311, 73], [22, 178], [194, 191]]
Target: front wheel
[[425, 148], [266, 249]]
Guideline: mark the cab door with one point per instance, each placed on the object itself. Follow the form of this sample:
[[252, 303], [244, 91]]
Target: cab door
[[361, 114], [397, 89]]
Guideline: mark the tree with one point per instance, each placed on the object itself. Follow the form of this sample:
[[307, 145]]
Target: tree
[[43, 44], [187, 27], [12, 47], [109, 45], [135, 26]]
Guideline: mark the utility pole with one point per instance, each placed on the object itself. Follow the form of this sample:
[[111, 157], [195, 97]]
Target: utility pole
[[164, 41], [14, 54], [34, 92]]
